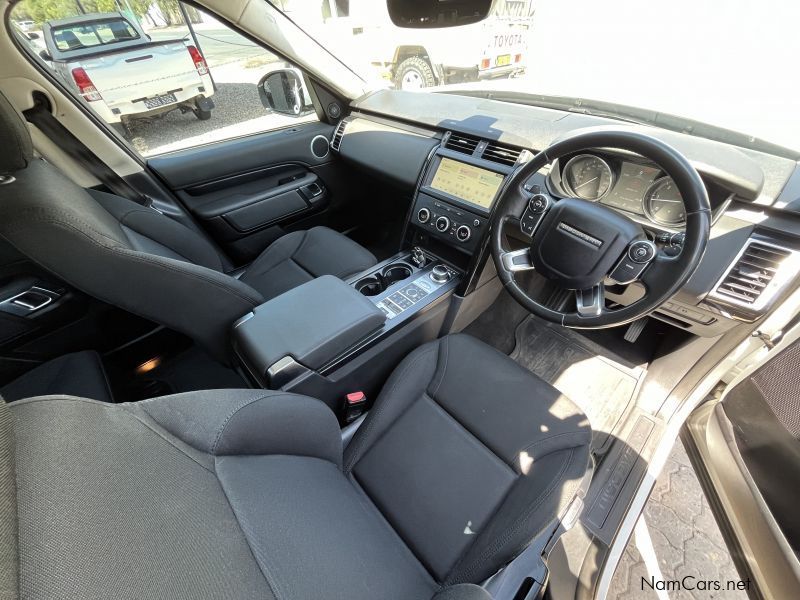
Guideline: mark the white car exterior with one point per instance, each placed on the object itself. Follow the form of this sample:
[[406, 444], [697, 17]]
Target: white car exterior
[[127, 75], [417, 58]]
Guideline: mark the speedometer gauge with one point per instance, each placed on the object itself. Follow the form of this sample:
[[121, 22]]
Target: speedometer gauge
[[663, 203], [587, 177]]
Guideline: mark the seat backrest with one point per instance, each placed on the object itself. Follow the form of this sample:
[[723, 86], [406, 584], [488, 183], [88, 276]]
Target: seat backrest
[[9, 557], [113, 249], [469, 457]]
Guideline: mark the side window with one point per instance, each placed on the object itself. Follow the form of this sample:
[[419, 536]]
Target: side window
[[164, 74]]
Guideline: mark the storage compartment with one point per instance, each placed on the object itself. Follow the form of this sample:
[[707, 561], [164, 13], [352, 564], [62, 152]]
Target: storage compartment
[[304, 329], [377, 282], [396, 272], [266, 211], [370, 286]]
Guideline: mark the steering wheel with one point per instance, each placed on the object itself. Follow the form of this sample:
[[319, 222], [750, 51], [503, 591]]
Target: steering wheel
[[581, 245]]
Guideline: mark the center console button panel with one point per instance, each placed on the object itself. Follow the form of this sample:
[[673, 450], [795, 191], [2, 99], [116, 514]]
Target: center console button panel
[[457, 226]]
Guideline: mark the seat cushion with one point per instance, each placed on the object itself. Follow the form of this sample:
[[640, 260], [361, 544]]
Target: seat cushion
[[218, 494], [301, 256], [78, 374], [469, 456]]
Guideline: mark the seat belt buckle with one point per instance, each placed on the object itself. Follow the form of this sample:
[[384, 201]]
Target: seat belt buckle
[[355, 404]]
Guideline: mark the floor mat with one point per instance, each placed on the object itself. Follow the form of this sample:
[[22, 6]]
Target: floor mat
[[601, 383]]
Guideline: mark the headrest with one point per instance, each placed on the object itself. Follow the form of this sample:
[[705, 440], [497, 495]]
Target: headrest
[[16, 148]]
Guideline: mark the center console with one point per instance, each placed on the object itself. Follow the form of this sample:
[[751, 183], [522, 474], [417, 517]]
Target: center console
[[456, 193], [330, 339]]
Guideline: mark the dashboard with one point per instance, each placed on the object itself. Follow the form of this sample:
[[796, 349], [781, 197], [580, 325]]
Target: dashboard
[[453, 153]]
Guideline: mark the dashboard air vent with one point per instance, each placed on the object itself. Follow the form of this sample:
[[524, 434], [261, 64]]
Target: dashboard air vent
[[752, 274], [336, 140], [461, 143], [501, 154]]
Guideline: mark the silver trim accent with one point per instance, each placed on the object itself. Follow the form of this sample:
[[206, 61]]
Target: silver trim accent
[[571, 192], [469, 233], [32, 307], [427, 218], [784, 275], [341, 126], [652, 247], [594, 307], [6, 179], [283, 371], [436, 224], [507, 258], [327, 146]]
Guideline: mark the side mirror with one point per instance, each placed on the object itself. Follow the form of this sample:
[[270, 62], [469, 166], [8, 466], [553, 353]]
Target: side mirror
[[45, 55], [284, 92], [32, 35], [426, 14]]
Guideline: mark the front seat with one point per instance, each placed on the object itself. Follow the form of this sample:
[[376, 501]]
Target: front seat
[[143, 261], [464, 459]]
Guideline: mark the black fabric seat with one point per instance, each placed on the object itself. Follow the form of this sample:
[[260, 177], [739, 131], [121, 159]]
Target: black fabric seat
[[463, 460], [143, 261], [78, 374]]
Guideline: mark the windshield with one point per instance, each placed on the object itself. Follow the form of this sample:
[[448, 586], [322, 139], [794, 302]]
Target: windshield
[[93, 33], [726, 64]]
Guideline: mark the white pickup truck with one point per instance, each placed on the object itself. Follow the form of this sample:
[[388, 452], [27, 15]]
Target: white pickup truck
[[113, 64]]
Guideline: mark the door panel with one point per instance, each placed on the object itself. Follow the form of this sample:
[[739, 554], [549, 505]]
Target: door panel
[[246, 191], [746, 446]]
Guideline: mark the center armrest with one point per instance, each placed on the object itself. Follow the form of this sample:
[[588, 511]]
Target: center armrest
[[309, 325]]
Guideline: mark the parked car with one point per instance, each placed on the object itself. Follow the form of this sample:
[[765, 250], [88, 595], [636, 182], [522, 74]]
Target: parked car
[[420, 58], [115, 66]]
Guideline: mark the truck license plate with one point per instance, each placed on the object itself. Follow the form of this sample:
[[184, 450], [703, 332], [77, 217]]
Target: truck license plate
[[160, 101], [503, 60]]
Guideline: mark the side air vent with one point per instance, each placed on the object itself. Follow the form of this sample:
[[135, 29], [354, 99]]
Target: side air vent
[[336, 140], [757, 275], [461, 143], [501, 154]]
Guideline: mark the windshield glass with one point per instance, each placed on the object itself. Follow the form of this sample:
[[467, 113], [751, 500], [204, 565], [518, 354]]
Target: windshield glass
[[93, 33], [726, 64]]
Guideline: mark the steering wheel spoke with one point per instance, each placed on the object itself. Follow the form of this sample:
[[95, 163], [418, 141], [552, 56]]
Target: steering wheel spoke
[[591, 302], [517, 260]]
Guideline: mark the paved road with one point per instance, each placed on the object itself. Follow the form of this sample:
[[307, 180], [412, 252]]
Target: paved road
[[685, 537]]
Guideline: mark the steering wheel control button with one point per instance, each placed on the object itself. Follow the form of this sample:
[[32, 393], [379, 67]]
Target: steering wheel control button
[[442, 224], [627, 271], [423, 215], [642, 251], [538, 204], [441, 274], [463, 233]]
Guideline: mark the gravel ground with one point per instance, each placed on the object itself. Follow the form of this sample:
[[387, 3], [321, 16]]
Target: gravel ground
[[238, 111], [685, 536]]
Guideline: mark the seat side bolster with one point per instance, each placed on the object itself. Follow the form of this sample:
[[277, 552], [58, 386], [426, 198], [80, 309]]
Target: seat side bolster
[[250, 422]]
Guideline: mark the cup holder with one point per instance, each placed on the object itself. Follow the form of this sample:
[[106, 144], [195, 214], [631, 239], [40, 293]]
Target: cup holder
[[396, 272], [370, 286]]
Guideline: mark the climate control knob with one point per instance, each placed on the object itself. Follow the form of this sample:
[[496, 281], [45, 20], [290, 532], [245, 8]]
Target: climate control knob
[[442, 224], [463, 233], [423, 215]]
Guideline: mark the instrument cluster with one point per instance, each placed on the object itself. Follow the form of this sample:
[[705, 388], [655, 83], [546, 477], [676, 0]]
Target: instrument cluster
[[633, 187]]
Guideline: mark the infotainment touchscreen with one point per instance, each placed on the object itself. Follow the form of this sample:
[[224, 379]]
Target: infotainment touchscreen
[[471, 184]]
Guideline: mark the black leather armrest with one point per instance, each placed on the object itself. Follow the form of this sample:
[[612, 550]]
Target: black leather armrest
[[312, 324]]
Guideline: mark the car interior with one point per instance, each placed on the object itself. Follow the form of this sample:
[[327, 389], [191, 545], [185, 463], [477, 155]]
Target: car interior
[[399, 351]]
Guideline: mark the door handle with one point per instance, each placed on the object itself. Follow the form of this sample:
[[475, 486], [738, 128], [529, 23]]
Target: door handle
[[31, 300]]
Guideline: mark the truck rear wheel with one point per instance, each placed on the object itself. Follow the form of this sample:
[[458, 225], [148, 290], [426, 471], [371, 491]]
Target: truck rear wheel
[[414, 73], [203, 115]]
